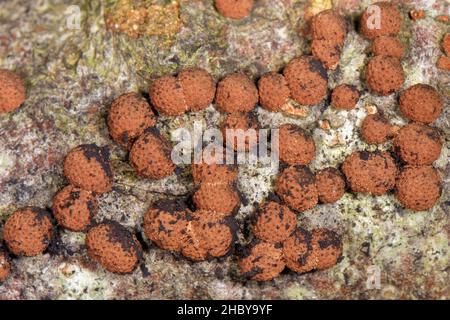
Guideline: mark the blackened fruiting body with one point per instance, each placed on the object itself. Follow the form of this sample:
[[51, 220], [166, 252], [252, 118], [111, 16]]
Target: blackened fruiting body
[[384, 75], [263, 261], [330, 185], [219, 197], [421, 103], [128, 117], [5, 265], [234, 9], [242, 129], [370, 172], [114, 247], [12, 91], [87, 167], [418, 145], [165, 224], [296, 186], [74, 208], [296, 146], [297, 251], [388, 46], [198, 87], [273, 91], [28, 231], [209, 235], [376, 129], [329, 25], [418, 188], [151, 156], [345, 97], [236, 93], [167, 96], [274, 222], [307, 79], [326, 248], [381, 19]]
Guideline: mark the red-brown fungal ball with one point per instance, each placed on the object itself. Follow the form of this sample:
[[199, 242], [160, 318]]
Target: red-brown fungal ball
[[236, 93], [262, 261], [74, 208], [274, 222], [376, 129], [446, 44], [326, 248], [128, 117], [234, 9], [370, 172], [165, 224], [114, 247], [307, 79], [273, 91], [150, 156], [345, 97], [5, 265], [209, 235], [418, 145], [28, 232], [381, 19], [87, 167], [12, 91], [297, 251], [219, 197], [167, 96], [212, 168], [418, 188], [327, 51], [242, 129], [296, 146], [388, 46], [330, 185], [296, 186], [421, 103], [198, 87], [329, 25], [384, 75]]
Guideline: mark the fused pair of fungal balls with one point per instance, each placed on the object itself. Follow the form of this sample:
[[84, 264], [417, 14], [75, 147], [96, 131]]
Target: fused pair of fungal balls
[[12, 91]]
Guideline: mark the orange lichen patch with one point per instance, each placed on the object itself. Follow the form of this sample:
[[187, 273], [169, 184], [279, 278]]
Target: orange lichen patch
[[446, 44], [443, 18], [417, 14], [153, 20], [444, 63]]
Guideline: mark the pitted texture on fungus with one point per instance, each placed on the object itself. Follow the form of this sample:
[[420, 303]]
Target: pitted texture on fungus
[[330, 185], [128, 117], [198, 87], [375, 129], [151, 156], [388, 46], [318, 250], [296, 186], [234, 9], [114, 247], [446, 44], [307, 79], [12, 91], [273, 91], [262, 261], [345, 97], [296, 146], [327, 51], [243, 130], [209, 235], [167, 96], [5, 265], [370, 172], [28, 231], [165, 224], [443, 63], [74, 208], [418, 188], [421, 103], [219, 197], [236, 93], [212, 168], [87, 167], [418, 145], [329, 25], [390, 20], [384, 75], [274, 222]]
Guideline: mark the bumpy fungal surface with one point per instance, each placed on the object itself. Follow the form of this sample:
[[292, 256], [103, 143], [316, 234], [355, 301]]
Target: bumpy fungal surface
[[87, 167], [327, 51], [384, 75], [421, 103], [345, 97], [296, 146], [389, 22], [329, 25], [220, 197], [240, 131], [28, 232], [12, 91], [388, 46], [375, 129], [213, 169], [167, 96], [330, 185], [273, 91], [236, 93], [198, 87], [234, 9]]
